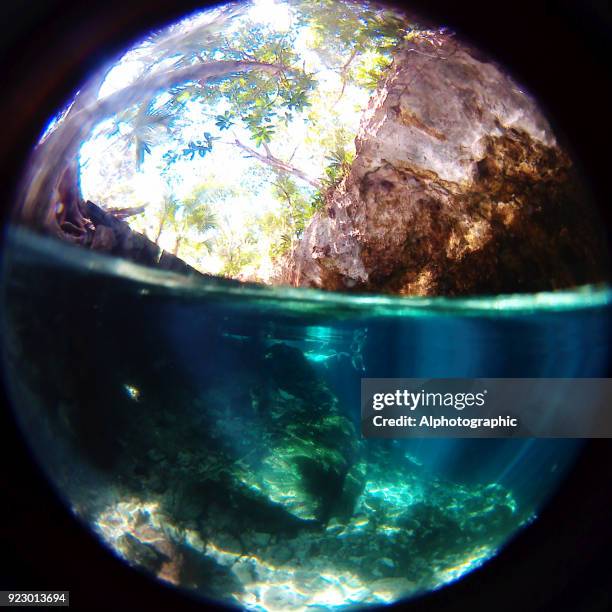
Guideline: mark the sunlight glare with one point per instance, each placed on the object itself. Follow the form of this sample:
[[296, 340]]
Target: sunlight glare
[[268, 11]]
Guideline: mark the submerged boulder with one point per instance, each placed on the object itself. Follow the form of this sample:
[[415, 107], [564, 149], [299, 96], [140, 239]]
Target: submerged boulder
[[310, 446], [459, 186]]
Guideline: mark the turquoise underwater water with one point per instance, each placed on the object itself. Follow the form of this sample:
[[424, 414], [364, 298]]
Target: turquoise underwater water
[[208, 431]]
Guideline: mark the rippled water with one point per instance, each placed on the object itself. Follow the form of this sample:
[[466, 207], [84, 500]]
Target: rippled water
[[209, 431]]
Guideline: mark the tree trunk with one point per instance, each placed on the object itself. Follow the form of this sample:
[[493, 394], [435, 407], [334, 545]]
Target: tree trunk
[[458, 187], [177, 246], [160, 229]]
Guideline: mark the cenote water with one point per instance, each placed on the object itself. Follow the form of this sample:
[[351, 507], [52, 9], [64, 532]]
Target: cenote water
[[208, 431]]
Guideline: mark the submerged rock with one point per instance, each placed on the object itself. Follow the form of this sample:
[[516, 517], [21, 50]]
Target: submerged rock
[[458, 187], [259, 492], [310, 446], [259, 481]]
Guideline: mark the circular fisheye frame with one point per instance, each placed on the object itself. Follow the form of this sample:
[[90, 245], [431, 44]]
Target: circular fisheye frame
[[229, 227]]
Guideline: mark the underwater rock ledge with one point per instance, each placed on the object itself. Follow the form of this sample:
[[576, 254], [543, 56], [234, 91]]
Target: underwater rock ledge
[[458, 187]]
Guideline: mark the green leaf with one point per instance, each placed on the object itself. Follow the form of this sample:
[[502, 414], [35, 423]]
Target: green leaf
[[224, 121]]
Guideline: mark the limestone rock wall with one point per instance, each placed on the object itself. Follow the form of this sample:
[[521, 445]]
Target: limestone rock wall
[[458, 187]]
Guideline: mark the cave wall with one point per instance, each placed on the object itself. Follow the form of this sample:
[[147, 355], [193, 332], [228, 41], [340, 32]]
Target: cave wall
[[459, 186]]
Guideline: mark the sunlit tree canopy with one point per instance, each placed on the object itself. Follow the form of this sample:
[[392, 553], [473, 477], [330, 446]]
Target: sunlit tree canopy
[[229, 127]]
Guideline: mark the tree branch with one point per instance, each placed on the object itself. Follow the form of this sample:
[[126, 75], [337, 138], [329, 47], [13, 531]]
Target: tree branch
[[62, 145], [277, 163], [297, 146], [132, 94], [344, 74]]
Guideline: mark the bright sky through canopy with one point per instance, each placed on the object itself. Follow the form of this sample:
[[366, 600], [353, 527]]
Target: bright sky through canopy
[[254, 147]]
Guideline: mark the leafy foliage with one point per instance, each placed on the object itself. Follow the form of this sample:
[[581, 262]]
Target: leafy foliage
[[199, 147], [288, 224], [369, 72], [354, 40], [351, 37], [256, 99], [237, 247], [224, 121], [145, 125], [340, 160], [191, 215]]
